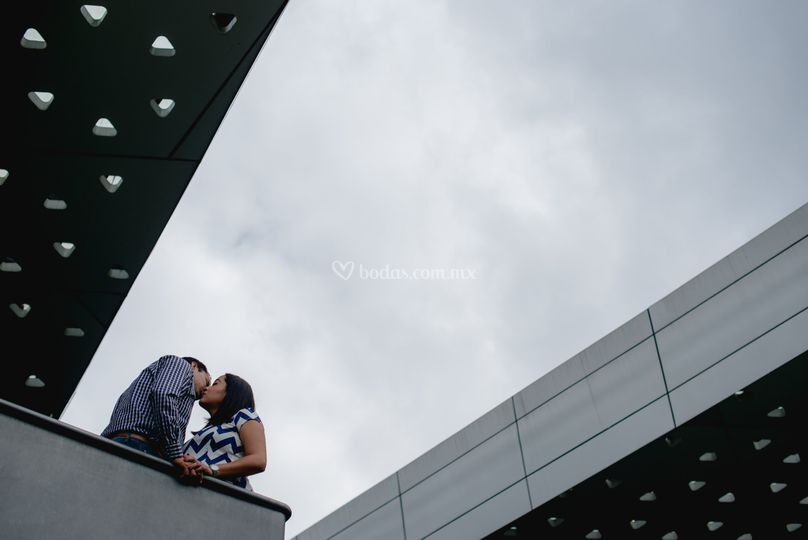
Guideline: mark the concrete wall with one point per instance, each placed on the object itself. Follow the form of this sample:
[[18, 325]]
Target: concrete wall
[[60, 482], [732, 324]]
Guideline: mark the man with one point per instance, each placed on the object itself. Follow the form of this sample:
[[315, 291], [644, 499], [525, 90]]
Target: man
[[152, 414]]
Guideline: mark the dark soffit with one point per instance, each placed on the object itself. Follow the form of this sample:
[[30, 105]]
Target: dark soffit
[[55, 310]]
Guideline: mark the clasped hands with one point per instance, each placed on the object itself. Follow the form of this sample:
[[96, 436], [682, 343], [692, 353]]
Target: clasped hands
[[191, 469]]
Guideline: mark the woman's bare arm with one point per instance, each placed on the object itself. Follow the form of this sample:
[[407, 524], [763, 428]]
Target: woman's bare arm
[[255, 453]]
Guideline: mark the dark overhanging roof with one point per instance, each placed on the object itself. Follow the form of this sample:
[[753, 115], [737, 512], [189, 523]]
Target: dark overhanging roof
[[80, 210], [736, 471]]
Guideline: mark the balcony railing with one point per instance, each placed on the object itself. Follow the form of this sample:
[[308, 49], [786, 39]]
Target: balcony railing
[[59, 481]]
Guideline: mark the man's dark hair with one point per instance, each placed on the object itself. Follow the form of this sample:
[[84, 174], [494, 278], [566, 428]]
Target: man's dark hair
[[202, 367], [238, 395]]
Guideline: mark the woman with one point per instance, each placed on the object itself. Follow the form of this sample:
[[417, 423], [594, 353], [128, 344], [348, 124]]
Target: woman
[[232, 445]]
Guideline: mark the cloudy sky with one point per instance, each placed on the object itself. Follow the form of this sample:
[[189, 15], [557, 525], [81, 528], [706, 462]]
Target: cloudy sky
[[576, 160]]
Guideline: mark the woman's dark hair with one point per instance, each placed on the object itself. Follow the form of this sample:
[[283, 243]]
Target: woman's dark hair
[[238, 395]]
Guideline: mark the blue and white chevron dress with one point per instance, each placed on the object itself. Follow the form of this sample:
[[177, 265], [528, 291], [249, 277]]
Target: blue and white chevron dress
[[215, 445]]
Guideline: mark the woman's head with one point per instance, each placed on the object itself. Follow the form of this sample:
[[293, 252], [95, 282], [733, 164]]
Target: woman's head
[[225, 397]]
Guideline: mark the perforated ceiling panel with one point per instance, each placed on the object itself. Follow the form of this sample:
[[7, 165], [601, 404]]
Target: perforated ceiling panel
[[734, 472], [107, 112]]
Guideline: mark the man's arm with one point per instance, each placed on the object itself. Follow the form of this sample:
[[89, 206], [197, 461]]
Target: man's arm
[[170, 381]]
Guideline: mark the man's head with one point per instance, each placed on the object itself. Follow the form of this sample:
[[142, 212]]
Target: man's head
[[201, 376]]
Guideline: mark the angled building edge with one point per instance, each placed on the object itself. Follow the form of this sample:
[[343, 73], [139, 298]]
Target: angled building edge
[[684, 422]]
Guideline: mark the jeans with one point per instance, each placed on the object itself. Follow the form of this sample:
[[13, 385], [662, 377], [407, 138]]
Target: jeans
[[136, 444]]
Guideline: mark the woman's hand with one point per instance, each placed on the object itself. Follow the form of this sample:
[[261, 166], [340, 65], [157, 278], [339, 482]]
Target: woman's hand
[[196, 468]]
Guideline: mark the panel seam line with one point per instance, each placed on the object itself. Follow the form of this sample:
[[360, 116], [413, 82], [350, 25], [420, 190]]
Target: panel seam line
[[661, 367], [521, 451]]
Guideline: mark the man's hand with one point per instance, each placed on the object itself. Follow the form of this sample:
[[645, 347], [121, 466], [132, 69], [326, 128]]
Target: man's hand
[[187, 473], [196, 468]]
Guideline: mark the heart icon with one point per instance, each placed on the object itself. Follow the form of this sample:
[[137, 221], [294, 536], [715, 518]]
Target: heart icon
[[20, 310], [343, 269]]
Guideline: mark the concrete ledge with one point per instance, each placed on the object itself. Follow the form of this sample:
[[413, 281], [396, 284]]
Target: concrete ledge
[[63, 482]]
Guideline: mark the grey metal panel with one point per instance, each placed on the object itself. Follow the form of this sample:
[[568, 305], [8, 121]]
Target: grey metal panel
[[383, 524], [741, 369], [456, 445], [602, 388], [741, 261], [61, 487], [475, 477], [605, 449], [352, 512], [740, 313], [583, 363], [489, 516], [592, 405]]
